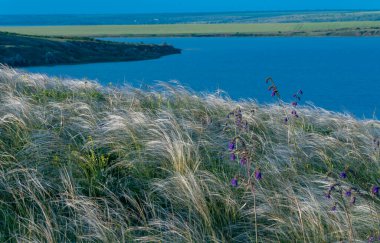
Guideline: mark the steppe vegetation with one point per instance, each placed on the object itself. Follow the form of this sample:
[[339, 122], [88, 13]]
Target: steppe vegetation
[[83, 162]]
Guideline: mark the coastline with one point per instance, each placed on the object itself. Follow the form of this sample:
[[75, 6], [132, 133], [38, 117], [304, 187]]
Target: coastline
[[26, 51]]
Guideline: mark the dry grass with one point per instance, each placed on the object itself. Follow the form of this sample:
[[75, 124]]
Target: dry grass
[[81, 162], [346, 28]]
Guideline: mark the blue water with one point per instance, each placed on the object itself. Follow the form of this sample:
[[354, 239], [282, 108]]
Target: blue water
[[339, 74]]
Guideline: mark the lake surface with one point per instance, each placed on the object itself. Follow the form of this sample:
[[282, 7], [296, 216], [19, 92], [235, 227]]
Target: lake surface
[[339, 74]]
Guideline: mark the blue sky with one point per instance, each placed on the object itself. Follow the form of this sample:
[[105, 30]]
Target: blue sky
[[159, 6]]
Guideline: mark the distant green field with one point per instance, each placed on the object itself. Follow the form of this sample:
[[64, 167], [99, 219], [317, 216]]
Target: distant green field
[[322, 28]]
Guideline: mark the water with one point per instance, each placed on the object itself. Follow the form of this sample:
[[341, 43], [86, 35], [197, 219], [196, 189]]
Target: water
[[339, 74]]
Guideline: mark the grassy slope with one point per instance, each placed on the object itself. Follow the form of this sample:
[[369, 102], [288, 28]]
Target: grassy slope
[[80, 162], [324, 28]]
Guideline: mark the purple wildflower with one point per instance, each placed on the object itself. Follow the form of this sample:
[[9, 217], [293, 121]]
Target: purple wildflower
[[348, 193], [353, 200], [274, 93], [243, 161], [232, 156], [332, 187], [231, 145], [234, 182], [238, 117], [300, 92], [245, 125], [343, 175], [333, 207], [371, 239], [294, 103], [258, 174], [375, 190], [286, 120]]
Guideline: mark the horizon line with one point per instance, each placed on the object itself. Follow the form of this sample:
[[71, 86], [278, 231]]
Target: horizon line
[[193, 12]]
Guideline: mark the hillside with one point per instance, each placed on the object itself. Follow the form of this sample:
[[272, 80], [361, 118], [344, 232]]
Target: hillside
[[20, 51], [82, 162]]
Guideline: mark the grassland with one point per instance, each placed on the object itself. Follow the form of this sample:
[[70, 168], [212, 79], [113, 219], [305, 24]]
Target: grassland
[[82, 162], [268, 29]]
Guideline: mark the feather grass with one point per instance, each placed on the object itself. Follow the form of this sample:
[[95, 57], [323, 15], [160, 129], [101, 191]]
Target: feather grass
[[82, 162]]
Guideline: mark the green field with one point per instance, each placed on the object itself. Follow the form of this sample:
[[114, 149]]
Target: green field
[[267, 29]]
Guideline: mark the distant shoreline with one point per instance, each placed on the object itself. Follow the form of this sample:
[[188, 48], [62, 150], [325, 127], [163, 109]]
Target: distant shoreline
[[344, 33], [353, 28], [25, 51]]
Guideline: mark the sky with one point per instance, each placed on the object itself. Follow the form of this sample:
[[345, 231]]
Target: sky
[[172, 6]]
